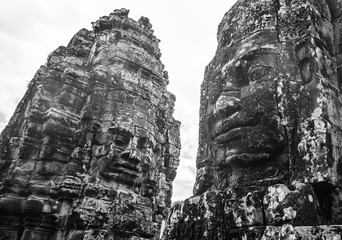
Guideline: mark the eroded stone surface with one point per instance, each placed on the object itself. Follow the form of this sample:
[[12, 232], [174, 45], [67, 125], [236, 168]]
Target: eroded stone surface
[[216, 214], [92, 148]]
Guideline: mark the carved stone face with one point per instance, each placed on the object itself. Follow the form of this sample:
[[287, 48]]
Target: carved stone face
[[124, 157], [244, 122], [265, 97], [125, 153]]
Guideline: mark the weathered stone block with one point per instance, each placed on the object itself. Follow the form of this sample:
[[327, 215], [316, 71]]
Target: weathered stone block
[[297, 207], [217, 213], [242, 207], [303, 232]]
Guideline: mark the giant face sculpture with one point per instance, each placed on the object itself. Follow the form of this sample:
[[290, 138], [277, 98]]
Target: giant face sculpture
[[264, 97], [93, 142], [126, 154], [244, 121]]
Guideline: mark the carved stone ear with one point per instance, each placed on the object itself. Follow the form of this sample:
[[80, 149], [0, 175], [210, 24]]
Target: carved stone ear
[[306, 70]]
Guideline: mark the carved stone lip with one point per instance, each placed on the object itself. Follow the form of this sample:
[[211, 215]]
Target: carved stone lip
[[119, 173], [231, 135], [246, 159], [118, 168], [150, 184], [230, 128], [233, 123], [123, 164]]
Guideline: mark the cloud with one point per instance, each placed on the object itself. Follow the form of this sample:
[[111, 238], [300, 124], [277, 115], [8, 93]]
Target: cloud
[[186, 172], [2, 117], [3, 121], [182, 186]]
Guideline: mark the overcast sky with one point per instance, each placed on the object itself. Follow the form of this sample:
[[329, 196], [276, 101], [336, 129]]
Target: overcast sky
[[31, 29]]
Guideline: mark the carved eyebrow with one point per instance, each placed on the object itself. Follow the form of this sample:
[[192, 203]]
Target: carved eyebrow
[[251, 54], [257, 66], [254, 52]]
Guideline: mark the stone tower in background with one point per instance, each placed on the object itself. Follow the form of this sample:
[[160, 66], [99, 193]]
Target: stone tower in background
[[269, 163], [92, 148]]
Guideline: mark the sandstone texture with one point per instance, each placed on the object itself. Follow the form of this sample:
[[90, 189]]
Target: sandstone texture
[[92, 148], [270, 136]]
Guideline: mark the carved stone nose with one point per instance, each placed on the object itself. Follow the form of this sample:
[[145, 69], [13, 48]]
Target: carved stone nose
[[227, 105], [131, 156]]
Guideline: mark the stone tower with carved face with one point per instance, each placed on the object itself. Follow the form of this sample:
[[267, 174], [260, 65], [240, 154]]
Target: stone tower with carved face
[[270, 152], [92, 148], [269, 97]]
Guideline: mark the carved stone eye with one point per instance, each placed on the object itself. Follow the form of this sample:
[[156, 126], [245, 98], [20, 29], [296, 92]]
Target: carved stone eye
[[121, 137], [121, 140], [260, 74]]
